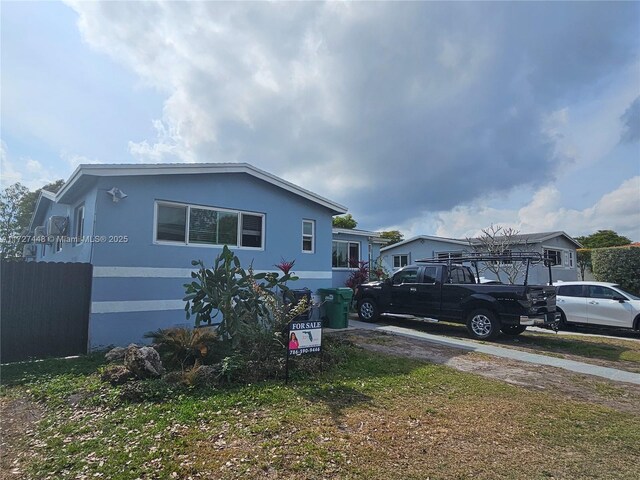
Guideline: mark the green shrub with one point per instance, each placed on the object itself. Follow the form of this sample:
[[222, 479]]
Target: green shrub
[[618, 265], [238, 295], [182, 347]]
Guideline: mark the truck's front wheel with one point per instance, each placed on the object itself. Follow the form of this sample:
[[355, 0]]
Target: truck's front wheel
[[368, 310], [483, 324]]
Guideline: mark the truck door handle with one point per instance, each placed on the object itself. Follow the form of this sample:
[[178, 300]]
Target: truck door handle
[[593, 303], [413, 289]]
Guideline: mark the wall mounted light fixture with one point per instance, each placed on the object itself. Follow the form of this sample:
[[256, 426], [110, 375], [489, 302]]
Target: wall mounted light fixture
[[117, 194]]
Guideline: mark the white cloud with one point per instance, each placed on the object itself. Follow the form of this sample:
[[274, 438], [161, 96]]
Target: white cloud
[[391, 109], [617, 210], [27, 171], [10, 174], [74, 159]]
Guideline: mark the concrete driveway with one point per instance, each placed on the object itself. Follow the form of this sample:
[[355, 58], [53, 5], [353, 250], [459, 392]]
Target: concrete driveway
[[532, 358]]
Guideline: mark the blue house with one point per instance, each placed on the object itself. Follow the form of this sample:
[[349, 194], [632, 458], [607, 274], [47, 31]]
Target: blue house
[[140, 226], [351, 246]]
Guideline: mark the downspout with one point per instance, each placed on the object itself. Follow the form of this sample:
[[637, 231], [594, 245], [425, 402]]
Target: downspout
[[93, 230], [370, 257], [93, 226]]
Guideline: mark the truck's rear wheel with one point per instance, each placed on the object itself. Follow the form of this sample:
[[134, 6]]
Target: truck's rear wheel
[[368, 310], [513, 329], [483, 324]]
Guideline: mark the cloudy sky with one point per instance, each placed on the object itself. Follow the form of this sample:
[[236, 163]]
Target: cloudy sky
[[432, 118]]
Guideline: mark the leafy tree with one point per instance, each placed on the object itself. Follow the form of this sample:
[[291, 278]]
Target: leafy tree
[[17, 204], [392, 236], [603, 238], [345, 221], [10, 219], [583, 258]]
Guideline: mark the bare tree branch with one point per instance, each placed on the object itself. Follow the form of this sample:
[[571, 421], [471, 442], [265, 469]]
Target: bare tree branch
[[498, 240]]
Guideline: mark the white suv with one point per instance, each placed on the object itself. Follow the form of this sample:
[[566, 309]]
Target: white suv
[[597, 303]]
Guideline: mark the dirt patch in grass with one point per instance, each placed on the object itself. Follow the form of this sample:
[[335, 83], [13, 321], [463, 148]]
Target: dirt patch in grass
[[426, 430], [19, 417], [623, 397]]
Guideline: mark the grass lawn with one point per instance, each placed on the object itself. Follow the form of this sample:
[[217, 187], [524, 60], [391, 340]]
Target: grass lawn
[[372, 416]]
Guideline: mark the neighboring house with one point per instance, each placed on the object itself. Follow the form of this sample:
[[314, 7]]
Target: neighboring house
[[140, 226], [556, 245], [409, 251], [349, 247]]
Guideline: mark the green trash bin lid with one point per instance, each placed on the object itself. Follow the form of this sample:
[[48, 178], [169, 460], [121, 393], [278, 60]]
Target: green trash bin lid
[[345, 293]]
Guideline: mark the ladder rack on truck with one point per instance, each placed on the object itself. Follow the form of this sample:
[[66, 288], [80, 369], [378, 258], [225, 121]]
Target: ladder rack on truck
[[530, 258]]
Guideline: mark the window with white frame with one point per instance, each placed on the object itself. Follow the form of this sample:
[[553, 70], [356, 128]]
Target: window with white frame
[[560, 257], [79, 224], [400, 261], [58, 244], [449, 255], [554, 256], [345, 254], [568, 258], [308, 235], [198, 225]]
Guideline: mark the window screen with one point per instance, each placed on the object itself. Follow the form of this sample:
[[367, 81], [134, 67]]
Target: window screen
[[172, 221], [251, 230]]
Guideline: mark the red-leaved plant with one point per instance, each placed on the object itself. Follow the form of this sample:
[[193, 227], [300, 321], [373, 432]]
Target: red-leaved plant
[[359, 276], [285, 266]]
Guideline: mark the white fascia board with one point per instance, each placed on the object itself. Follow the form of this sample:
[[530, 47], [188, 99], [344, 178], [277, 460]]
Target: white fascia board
[[360, 233], [48, 196], [119, 170]]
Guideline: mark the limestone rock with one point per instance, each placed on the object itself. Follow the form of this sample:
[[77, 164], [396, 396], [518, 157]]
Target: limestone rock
[[144, 362], [116, 374], [115, 354]]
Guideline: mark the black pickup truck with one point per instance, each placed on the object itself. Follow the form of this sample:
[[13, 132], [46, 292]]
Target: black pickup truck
[[447, 291]]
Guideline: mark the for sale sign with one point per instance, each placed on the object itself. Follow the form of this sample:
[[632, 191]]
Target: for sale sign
[[305, 337]]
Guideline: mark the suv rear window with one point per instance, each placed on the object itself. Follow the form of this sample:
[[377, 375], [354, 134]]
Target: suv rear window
[[570, 291]]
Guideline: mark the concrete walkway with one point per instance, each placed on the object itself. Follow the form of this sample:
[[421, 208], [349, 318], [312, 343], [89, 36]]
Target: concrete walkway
[[571, 365]]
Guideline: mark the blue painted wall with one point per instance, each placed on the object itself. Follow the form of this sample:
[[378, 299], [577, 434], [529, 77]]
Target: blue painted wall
[[418, 249], [71, 251], [369, 252], [150, 275]]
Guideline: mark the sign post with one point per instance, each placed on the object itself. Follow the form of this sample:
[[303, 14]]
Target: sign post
[[305, 336]]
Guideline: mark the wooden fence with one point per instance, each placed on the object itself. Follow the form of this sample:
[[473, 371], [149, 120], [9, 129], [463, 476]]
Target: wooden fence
[[44, 309]]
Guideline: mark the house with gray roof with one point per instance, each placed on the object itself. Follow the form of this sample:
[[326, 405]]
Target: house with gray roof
[[557, 246]]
